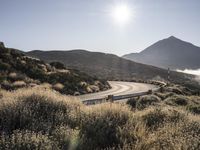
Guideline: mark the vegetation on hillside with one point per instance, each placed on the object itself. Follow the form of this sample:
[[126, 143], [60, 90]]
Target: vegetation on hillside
[[39, 118], [18, 70]]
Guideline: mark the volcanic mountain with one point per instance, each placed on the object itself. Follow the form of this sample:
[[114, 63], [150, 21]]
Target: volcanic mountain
[[169, 53]]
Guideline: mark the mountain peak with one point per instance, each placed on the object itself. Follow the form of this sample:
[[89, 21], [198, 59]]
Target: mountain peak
[[170, 52], [173, 38]]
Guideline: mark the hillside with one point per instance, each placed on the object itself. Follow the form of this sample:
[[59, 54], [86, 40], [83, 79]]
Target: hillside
[[18, 70], [108, 66], [169, 53]]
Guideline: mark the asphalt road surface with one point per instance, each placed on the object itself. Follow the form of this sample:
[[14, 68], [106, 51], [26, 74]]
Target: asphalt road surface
[[119, 88]]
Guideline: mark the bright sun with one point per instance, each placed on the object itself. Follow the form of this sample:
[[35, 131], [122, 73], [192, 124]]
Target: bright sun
[[121, 14]]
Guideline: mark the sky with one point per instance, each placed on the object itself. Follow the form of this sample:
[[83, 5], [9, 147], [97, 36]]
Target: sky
[[89, 24]]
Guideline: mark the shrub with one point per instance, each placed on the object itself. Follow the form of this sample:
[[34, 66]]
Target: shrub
[[154, 118], [132, 102], [4, 66], [12, 75], [146, 101], [58, 65], [58, 86], [19, 84], [65, 137], [6, 85], [38, 118], [16, 77], [3, 77], [194, 109], [177, 100], [100, 128], [175, 89], [26, 140], [38, 112], [157, 118], [183, 135], [163, 96]]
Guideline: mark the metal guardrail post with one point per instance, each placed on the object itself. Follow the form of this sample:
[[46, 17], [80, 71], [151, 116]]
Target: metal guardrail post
[[110, 98]]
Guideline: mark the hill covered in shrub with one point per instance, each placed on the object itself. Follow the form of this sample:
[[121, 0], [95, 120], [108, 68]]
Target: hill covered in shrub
[[18, 70]]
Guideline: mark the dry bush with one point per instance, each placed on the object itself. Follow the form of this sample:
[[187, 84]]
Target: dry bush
[[194, 109], [35, 117], [100, 127], [26, 140], [66, 137], [168, 128], [18, 84], [177, 100], [42, 112], [155, 117], [182, 135], [144, 102], [174, 89], [58, 86], [12, 75], [38, 110], [132, 102], [165, 95]]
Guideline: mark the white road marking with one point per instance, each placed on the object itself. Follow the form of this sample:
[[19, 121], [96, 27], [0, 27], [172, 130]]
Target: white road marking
[[119, 88]]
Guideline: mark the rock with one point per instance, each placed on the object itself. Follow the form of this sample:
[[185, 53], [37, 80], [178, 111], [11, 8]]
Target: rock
[[2, 44], [89, 90], [94, 88]]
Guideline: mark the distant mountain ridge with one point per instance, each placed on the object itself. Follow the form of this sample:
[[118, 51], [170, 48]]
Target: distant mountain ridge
[[108, 66], [169, 53]]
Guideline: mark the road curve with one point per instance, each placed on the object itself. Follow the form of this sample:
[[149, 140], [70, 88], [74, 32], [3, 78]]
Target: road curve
[[119, 88]]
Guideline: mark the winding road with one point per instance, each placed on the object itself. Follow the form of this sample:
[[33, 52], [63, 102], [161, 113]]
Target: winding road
[[119, 88]]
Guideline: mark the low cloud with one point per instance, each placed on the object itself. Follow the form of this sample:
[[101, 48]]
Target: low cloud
[[194, 72], [190, 71]]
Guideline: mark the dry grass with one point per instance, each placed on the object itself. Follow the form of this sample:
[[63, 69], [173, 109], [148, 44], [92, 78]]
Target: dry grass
[[39, 118]]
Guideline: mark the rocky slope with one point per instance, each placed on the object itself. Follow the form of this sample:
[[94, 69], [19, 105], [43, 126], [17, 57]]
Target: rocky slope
[[18, 70]]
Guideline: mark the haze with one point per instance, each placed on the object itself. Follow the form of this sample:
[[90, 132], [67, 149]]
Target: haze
[[78, 24]]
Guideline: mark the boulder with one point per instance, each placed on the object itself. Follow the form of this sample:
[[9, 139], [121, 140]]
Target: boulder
[[2, 44]]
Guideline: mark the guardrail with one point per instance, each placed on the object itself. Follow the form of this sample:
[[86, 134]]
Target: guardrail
[[112, 98]]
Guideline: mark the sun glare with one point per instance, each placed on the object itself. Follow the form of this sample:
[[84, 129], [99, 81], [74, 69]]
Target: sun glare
[[121, 14]]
